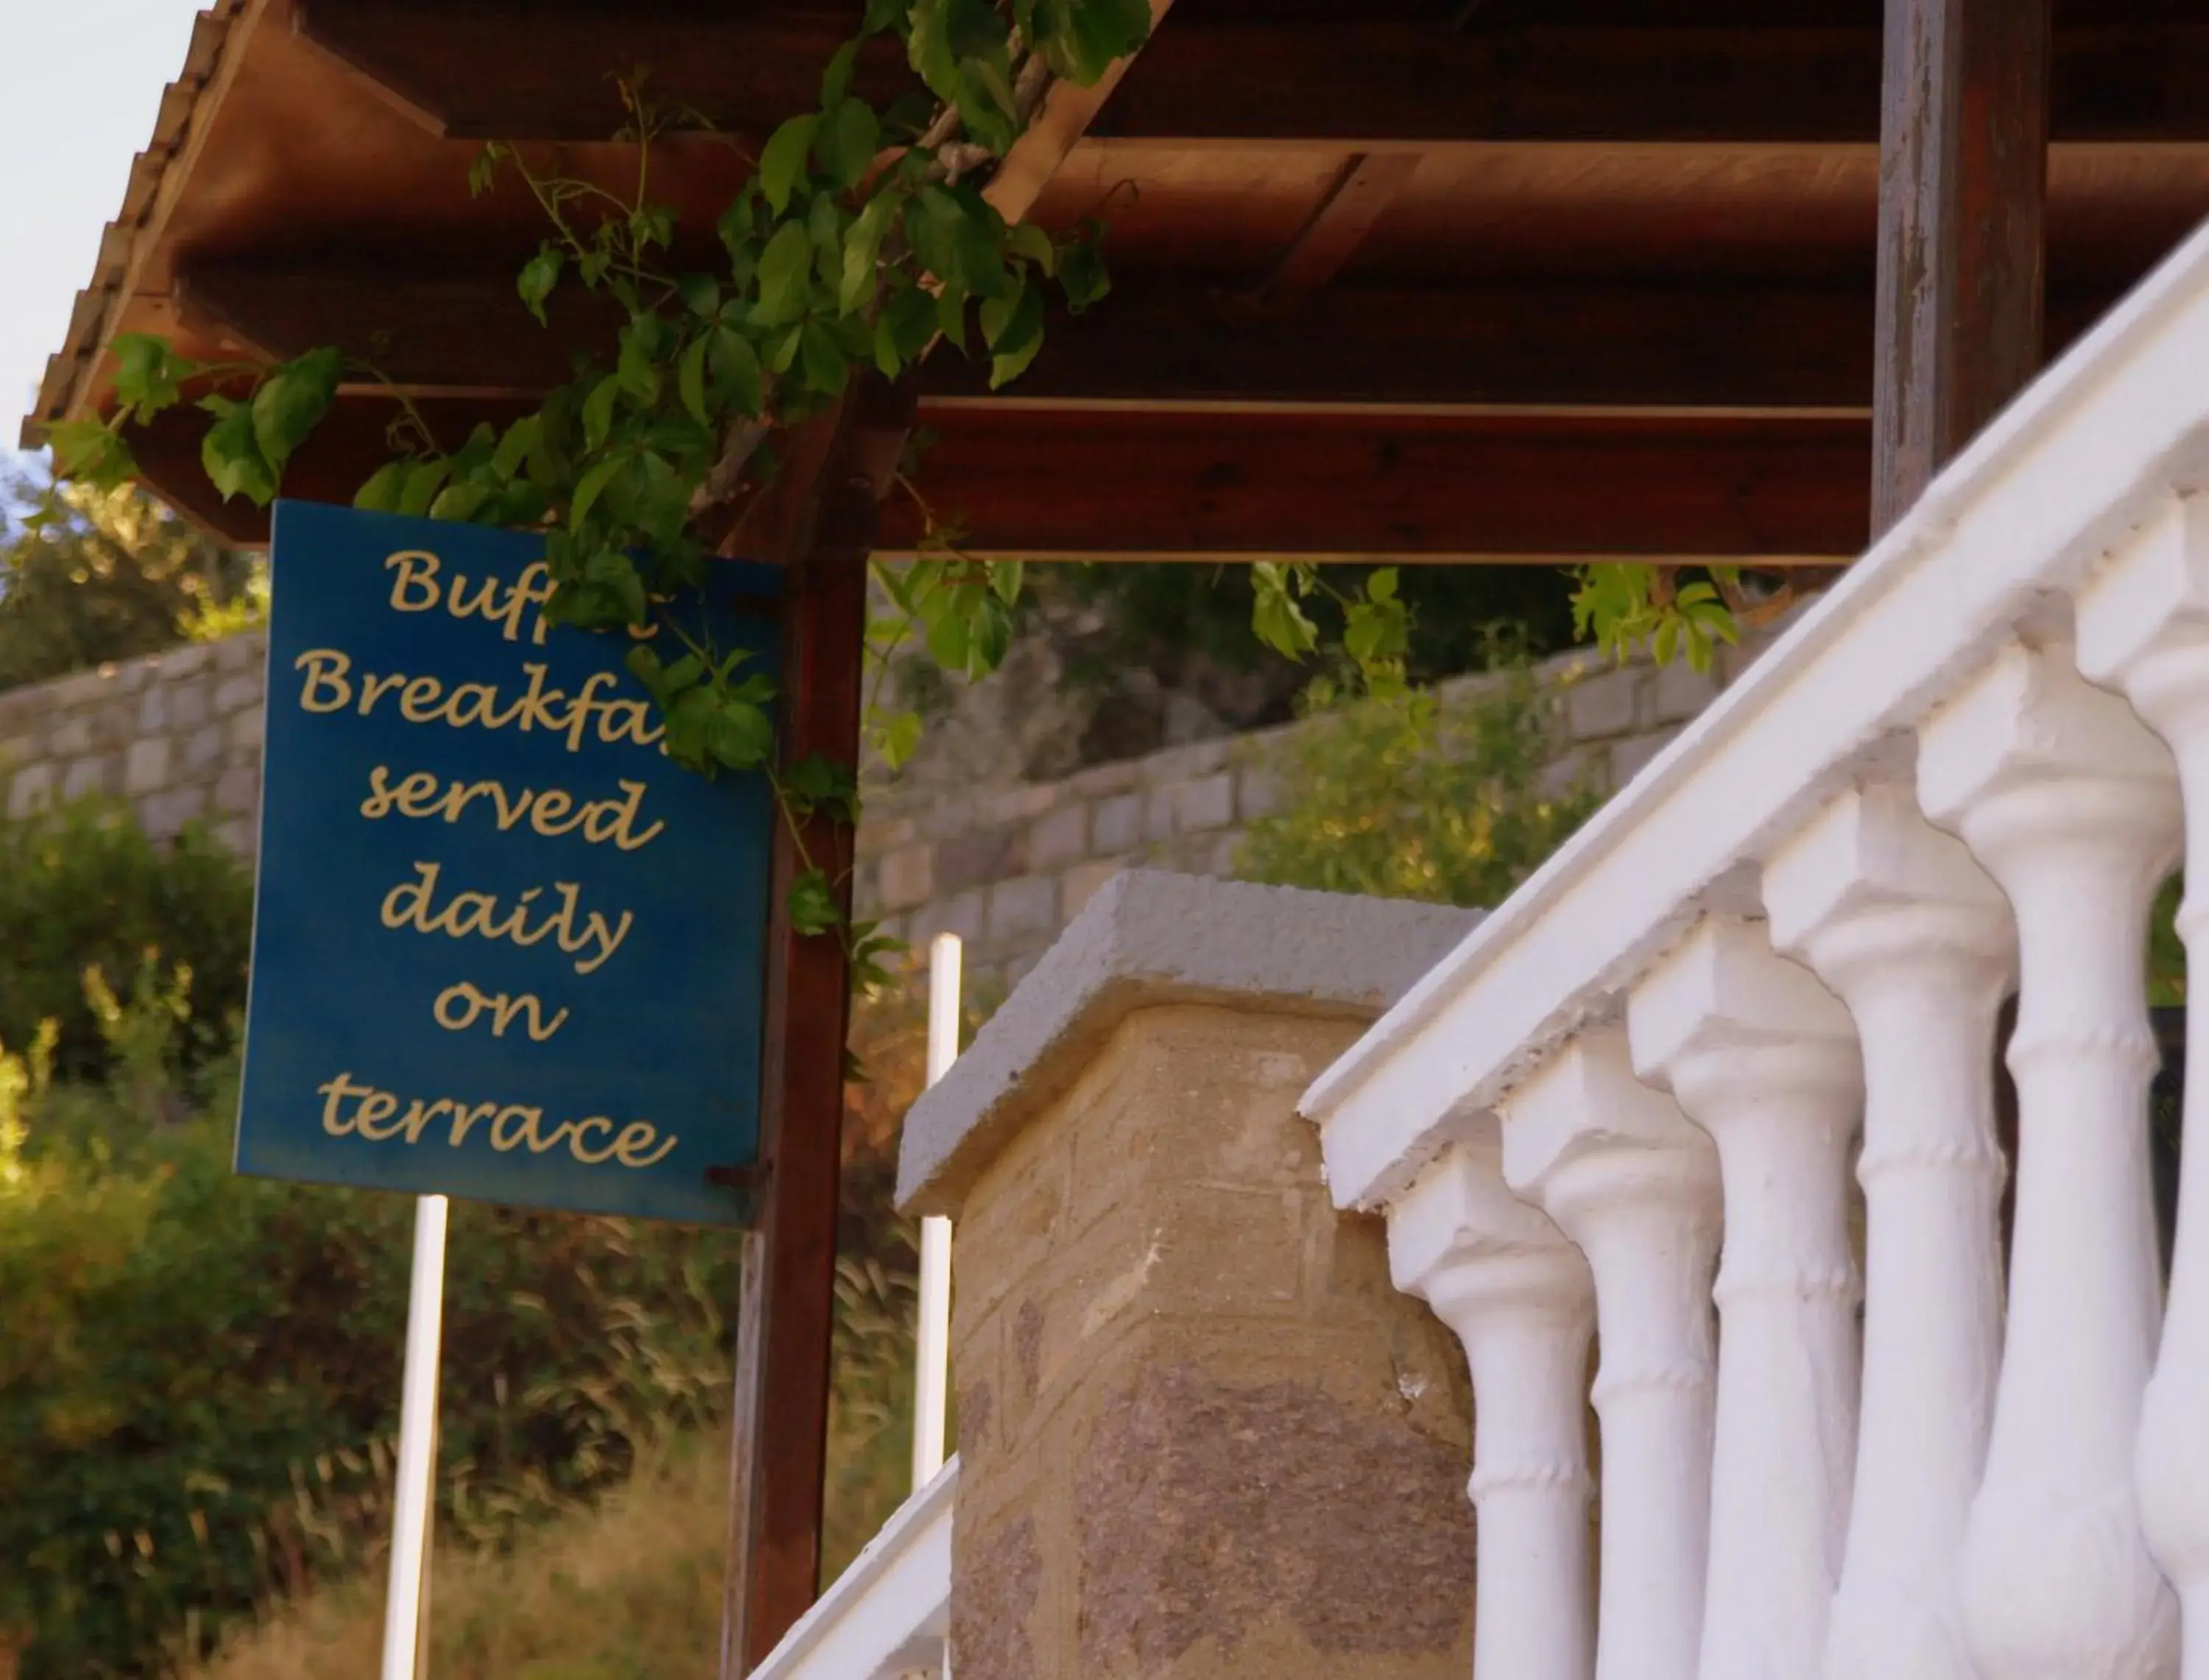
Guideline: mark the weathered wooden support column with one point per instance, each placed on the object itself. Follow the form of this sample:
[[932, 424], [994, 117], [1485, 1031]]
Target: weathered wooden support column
[[1202, 1437], [1962, 200], [821, 527]]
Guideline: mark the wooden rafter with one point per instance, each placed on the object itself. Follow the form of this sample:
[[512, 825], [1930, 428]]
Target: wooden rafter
[[1361, 193], [1356, 81]]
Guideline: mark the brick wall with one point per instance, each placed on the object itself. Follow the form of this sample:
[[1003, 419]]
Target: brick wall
[[177, 734]]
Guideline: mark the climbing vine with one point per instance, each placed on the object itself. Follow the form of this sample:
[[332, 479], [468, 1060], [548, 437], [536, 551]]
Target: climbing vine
[[861, 242]]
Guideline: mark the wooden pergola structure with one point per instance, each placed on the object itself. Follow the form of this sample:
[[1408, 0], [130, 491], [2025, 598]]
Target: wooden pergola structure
[[1447, 280]]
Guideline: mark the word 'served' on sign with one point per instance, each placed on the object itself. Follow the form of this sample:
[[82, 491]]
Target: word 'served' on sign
[[504, 947]]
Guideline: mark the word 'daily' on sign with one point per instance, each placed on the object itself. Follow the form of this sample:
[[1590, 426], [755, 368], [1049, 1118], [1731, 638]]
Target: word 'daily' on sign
[[504, 947]]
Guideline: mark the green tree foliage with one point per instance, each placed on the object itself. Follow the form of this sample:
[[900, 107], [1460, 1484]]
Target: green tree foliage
[[1127, 632], [88, 575], [1417, 795], [82, 886], [199, 1373], [1164, 613]]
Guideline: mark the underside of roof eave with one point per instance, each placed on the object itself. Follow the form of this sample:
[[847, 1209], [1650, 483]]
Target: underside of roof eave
[[218, 36]]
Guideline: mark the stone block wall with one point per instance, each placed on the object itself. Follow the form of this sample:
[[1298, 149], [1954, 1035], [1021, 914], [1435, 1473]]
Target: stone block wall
[[177, 734], [1008, 870]]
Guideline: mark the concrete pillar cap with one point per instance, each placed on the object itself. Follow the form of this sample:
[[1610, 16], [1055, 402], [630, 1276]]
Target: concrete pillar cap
[[1147, 938]]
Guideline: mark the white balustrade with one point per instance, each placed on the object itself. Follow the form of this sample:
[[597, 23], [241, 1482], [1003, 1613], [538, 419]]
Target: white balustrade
[[889, 1615], [2144, 628], [1922, 790], [1764, 1058], [2072, 806], [1518, 1296], [1910, 932], [1621, 1170]]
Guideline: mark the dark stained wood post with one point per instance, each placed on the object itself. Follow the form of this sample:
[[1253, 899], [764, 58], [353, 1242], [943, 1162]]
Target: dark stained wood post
[[788, 1307], [1962, 203], [827, 529]]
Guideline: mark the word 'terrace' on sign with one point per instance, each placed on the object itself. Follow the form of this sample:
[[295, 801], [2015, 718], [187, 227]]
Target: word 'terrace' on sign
[[504, 947]]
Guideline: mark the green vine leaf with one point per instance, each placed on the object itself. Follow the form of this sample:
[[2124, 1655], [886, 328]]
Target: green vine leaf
[[380, 494], [782, 160], [690, 379], [812, 904], [736, 372], [906, 327], [538, 276], [1623, 605], [1377, 634], [591, 486], [1081, 274], [895, 736], [818, 784], [92, 451], [424, 479], [230, 455], [847, 140], [148, 375], [863, 250], [289, 404], [1013, 328], [1276, 617], [1080, 39], [836, 79], [785, 277], [740, 736]]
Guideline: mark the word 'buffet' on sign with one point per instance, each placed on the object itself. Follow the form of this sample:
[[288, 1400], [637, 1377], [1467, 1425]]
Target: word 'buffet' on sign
[[504, 947]]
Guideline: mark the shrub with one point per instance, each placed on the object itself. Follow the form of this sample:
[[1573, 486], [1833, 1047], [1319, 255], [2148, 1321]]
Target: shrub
[[199, 1373], [1418, 796], [89, 575], [81, 886]]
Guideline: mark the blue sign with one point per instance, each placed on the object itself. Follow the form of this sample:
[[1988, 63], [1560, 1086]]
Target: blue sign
[[502, 947]]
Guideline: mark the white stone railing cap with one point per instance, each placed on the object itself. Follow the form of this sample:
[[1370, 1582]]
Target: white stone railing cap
[[1149, 938], [2103, 440]]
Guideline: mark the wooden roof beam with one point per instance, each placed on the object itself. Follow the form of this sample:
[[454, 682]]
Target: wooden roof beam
[[1360, 195], [1133, 486], [1164, 340], [1349, 82]]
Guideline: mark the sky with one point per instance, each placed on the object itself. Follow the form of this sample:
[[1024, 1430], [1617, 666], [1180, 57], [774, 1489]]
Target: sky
[[80, 83]]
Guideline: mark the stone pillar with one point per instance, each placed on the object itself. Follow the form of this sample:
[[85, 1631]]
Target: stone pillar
[[1202, 1437]]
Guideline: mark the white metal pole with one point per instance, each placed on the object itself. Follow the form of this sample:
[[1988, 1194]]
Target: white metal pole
[[932, 1349], [413, 1495]]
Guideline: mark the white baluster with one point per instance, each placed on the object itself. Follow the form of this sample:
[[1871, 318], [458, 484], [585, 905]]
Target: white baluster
[[2071, 806], [1519, 1297], [1764, 1058], [1620, 1168], [1897, 919], [2143, 625]]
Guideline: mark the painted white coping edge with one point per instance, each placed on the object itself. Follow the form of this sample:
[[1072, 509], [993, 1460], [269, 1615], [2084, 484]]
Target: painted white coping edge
[[889, 1612], [2108, 433]]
